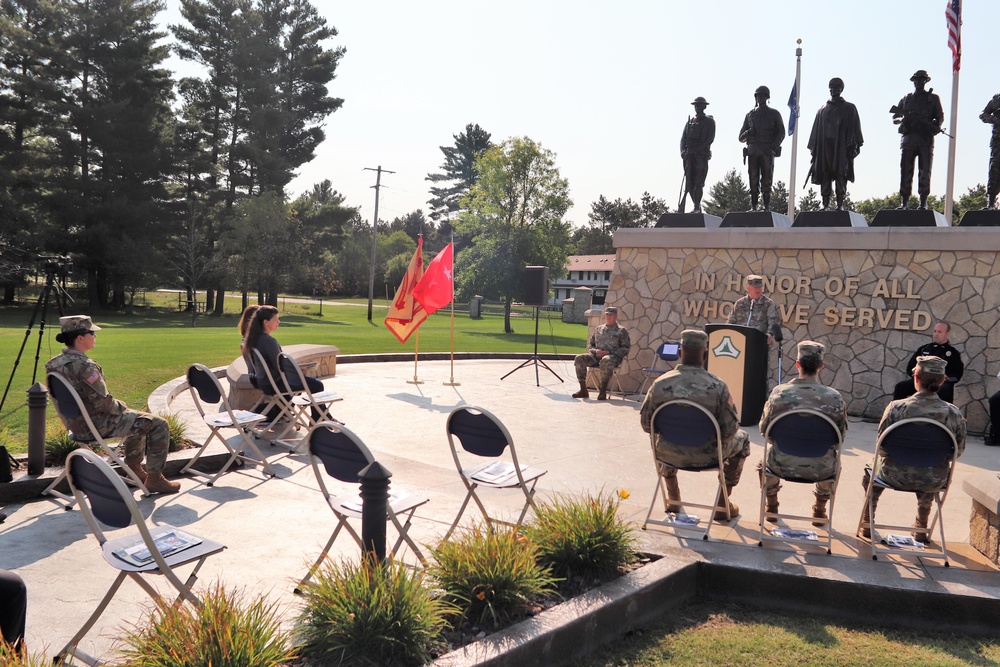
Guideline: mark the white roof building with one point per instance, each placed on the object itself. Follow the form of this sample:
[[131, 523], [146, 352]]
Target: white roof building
[[593, 271]]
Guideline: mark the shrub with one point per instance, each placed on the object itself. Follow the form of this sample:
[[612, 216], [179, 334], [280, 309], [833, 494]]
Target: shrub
[[58, 445], [361, 613], [493, 574], [226, 631], [12, 657], [582, 537], [178, 432]]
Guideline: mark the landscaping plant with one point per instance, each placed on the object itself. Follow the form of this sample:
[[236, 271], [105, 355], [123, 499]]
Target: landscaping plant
[[12, 657], [366, 613], [227, 630], [58, 445], [178, 432], [491, 573], [582, 536]]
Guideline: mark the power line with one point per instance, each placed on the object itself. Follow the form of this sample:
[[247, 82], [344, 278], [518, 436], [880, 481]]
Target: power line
[[371, 273]]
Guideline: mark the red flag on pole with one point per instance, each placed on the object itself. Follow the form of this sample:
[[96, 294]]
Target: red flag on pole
[[436, 289], [405, 314]]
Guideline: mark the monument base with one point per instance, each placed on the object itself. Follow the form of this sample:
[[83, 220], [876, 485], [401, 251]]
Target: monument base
[[830, 219], [909, 217], [980, 219], [687, 220], [756, 219]]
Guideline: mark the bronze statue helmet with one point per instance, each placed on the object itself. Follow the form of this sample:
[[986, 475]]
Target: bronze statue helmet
[[920, 74], [700, 100], [763, 90], [836, 81]]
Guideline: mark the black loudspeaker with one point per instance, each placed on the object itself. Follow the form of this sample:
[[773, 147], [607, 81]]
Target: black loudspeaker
[[536, 285]]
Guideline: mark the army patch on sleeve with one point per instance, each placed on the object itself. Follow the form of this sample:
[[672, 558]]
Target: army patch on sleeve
[[94, 377]]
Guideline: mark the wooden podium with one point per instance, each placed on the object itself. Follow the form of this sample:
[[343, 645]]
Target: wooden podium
[[738, 355]]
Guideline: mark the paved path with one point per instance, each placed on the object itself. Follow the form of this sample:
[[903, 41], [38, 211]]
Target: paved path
[[274, 527]]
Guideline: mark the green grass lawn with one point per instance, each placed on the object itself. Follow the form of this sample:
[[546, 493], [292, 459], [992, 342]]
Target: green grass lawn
[[142, 351], [708, 633]]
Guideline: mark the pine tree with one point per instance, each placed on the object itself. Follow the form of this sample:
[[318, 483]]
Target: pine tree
[[458, 169]]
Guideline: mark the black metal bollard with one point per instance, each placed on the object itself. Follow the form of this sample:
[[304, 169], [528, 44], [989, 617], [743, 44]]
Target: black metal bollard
[[38, 399], [374, 503]]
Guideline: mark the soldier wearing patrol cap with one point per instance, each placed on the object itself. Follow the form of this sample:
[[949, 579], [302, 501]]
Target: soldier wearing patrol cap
[[690, 381], [142, 434], [696, 151], [763, 131], [806, 391], [607, 349], [928, 378]]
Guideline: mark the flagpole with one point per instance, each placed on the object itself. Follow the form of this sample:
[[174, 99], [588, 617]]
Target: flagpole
[[949, 195], [795, 132], [416, 355], [451, 382]]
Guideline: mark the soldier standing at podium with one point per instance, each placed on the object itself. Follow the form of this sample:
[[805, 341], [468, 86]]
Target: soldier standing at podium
[[758, 312]]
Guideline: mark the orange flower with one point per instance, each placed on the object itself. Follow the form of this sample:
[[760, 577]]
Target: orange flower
[[623, 494]]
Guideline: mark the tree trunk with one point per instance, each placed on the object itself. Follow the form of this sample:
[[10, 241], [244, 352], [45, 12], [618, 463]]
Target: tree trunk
[[220, 299], [209, 300], [506, 315], [9, 293]]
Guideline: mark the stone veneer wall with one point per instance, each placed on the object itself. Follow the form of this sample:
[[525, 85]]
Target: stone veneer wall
[[906, 278]]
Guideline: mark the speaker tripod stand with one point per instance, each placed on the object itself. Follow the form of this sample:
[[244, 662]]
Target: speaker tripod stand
[[534, 359]]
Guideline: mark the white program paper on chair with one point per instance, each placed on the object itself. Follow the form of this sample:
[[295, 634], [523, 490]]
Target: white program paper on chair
[[686, 424], [920, 443], [807, 434], [304, 400], [479, 433], [205, 390], [70, 406], [104, 499], [343, 456]]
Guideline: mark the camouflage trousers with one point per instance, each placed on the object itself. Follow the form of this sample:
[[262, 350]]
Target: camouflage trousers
[[607, 364], [800, 468], [925, 499], [734, 454], [149, 437]]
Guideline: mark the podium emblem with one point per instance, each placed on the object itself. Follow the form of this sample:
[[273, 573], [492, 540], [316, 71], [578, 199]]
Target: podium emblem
[[726, 348]]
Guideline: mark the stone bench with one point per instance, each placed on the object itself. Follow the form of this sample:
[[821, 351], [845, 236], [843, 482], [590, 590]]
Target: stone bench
[[984, 525], [319, 361]]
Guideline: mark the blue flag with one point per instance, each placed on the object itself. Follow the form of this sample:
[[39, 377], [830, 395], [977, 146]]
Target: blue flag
[[793, 105]]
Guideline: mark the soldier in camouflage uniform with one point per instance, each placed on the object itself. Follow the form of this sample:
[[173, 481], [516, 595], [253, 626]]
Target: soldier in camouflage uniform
[[806, 391], [141, 433], [609, 345], [755, 310], [928, 378], [690, 381]]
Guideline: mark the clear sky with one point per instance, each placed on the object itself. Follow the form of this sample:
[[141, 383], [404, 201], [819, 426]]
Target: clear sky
[[607, 86]]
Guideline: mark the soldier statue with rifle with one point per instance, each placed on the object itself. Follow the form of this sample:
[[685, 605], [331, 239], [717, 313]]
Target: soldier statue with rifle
[[763, 131], [696, 151], [991, 115], [919, 116]]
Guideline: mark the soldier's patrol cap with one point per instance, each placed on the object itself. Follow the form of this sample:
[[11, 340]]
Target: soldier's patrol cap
[[810, 349], [934, 365], [700, 100], [763, 90], [74, 323], [753, 280], [920, 74], [610, 310], [694, 338]]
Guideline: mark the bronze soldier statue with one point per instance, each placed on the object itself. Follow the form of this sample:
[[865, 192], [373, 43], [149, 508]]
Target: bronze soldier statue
[[763, 131], [835, 141], [991, 115], [696, 151], [919, 116]]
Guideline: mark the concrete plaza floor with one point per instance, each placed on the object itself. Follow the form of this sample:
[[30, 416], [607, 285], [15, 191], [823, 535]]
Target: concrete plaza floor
[[274, 528]]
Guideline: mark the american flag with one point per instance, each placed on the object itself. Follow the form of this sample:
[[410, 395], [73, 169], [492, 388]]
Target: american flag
[[953, 14]]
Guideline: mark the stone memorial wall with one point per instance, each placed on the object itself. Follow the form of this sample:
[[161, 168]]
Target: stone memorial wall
[[870, 295]]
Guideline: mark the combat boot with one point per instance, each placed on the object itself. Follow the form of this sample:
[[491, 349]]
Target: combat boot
[[772, 506], [157, 483], [583, 393], [720, 511], [866, 532], [603, 395], [138, 469], [819, 511], [923, 513], [673, 493]]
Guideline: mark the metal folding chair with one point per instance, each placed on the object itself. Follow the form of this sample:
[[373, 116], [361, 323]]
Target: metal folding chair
[[70, 407], [808, 434], [304, 400], [917, 442], [686, 424], [668, 350], [282, 400], [343, 456], [594, 382], [205, 390], [479, 433], [104, 499]]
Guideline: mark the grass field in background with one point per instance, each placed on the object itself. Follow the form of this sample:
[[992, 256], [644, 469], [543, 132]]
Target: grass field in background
[[139, 352]]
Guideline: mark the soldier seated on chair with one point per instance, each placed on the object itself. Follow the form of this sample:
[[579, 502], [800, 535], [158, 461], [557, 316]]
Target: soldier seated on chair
[[608, 347], [142, 434], [690, 381], [928, 377], [805, 391]]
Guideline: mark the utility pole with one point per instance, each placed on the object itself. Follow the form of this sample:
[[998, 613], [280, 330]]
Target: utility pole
[[371, 272]]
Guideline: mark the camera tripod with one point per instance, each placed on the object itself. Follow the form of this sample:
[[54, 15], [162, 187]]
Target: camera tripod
[[534, 359], [41, 306]]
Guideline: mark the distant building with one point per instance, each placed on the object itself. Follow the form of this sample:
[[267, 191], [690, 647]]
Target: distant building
[[593, 271]]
